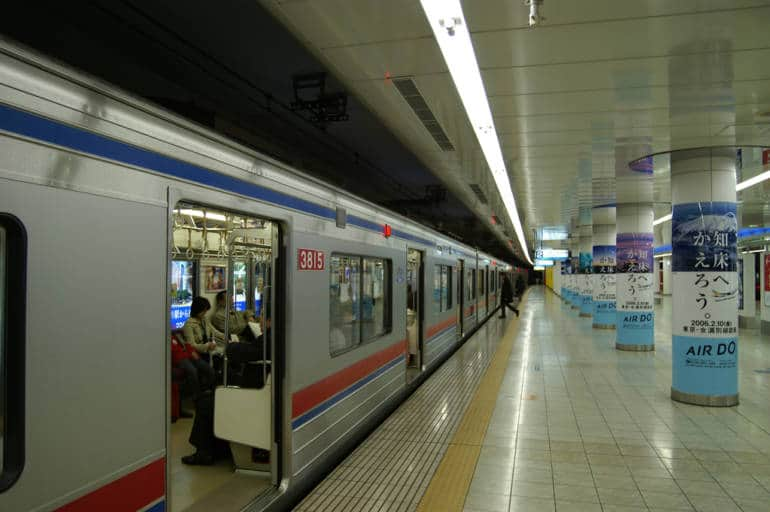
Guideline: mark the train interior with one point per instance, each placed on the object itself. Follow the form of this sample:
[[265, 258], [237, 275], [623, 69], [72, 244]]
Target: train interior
[[216, 255]]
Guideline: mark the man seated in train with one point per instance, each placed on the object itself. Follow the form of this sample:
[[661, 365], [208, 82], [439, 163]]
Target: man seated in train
[[238, 322]]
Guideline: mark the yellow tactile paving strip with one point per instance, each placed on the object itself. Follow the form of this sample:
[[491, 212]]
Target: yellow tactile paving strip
[[450, 482]]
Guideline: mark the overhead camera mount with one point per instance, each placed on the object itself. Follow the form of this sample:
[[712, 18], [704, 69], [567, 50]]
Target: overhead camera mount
[[310, 96]]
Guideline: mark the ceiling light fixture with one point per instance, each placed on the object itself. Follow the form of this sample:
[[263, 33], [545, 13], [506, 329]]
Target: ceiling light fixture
[[447, 21], [759, 178]]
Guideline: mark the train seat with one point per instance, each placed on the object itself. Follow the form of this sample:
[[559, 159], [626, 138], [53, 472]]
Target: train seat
[[242, 417]]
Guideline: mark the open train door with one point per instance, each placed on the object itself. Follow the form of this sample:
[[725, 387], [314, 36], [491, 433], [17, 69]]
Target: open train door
[[460, 296], [245, 403], [415, 311]]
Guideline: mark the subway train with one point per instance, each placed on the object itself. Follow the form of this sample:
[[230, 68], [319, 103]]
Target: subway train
[[114, 214]]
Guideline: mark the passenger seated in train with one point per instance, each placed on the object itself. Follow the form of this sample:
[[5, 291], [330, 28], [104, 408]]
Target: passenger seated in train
[[245, 360], [239, 320], [197, 335]]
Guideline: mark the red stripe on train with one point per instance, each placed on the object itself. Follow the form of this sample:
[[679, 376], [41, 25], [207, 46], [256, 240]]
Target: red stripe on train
[[312, 395], [130, 493], [435, 329]]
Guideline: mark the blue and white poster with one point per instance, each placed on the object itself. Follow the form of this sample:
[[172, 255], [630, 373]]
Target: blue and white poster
[[705, 314], [635, 320], [603, 298]]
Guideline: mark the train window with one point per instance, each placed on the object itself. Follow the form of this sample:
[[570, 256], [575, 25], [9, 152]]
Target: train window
[[442, 288], [13, 252], [359, 301], [375, 299]]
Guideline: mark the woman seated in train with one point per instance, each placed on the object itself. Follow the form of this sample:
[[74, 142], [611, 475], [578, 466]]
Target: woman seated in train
[[198, 335], [239, 320]]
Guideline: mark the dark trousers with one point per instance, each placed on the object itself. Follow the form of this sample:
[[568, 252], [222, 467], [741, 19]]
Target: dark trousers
[[198, 374], [202, 433], [503, 305]]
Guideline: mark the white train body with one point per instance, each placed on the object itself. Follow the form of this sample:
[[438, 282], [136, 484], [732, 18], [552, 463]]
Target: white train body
[[93, 175]]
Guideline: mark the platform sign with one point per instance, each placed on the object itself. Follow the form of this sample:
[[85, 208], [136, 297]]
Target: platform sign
[[705, 314], [310, 259]]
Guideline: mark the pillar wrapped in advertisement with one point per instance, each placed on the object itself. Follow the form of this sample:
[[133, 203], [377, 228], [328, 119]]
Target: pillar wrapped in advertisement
[[586, 252], [603, 277], [635, 318], [634, 278], [704, 235]]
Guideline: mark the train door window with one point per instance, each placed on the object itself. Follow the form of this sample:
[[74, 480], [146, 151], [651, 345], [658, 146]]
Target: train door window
[[227, 260], [13, 250], [474, 277]]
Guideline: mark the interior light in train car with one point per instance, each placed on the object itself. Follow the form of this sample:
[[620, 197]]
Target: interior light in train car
[[448, 24], [201, 214], [662, 219], [543, 263], [537, 268], [386, 230]]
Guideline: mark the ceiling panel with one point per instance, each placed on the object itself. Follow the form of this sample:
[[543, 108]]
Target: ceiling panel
[[669, 74]]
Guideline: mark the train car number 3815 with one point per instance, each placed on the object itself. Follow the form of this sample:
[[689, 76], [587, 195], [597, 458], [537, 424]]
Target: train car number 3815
[[310, 259]]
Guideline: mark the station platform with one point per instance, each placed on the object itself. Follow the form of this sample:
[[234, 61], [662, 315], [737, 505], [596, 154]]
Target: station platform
[[543, 414]]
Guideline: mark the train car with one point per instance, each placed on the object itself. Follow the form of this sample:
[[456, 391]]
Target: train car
[[114, 215]]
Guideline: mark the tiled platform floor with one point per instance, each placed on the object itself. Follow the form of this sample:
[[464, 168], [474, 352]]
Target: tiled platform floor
[[581, 426], [578, 426]]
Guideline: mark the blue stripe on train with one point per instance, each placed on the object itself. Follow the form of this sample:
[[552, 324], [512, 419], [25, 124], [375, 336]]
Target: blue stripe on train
[[53, 132], [320, 408]]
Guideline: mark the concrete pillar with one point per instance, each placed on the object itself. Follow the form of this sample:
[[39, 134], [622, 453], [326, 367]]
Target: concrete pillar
[[603, 277], [586, 253], [764, 293], [747, 306], [704, 235]]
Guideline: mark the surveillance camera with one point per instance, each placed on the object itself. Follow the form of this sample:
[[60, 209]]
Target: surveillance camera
[[534, 12], [449, 24]]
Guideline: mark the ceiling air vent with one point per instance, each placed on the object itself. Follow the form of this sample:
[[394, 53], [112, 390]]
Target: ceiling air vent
[[411, 94], [479, 194]]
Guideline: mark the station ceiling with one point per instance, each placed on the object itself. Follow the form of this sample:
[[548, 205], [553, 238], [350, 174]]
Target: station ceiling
[[231, 66], [566, 96]]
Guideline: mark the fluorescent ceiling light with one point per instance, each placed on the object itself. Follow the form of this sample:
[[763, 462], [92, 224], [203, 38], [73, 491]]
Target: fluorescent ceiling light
[[447, 21], [201, 214], [751, 252], [759, 178], [662, 255]]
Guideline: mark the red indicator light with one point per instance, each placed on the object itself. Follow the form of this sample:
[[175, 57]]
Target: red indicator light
[[386, 230], [387, 76]]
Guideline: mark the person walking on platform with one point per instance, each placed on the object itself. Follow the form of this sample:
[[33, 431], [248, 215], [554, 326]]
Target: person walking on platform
[[506, 297]]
